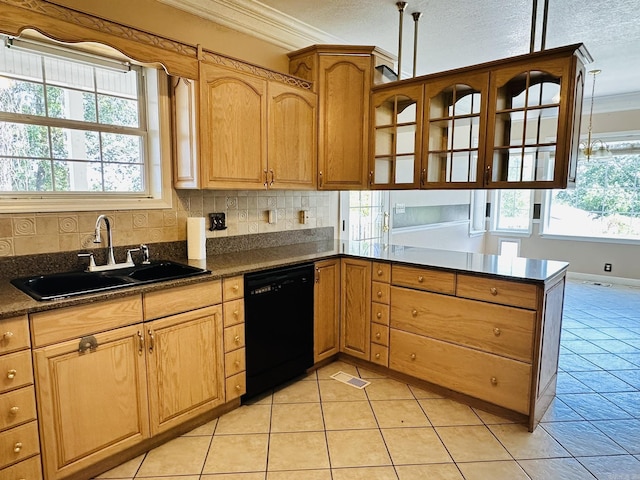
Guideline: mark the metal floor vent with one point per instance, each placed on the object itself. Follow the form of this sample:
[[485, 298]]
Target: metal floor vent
[[597, 284], [350, 380]]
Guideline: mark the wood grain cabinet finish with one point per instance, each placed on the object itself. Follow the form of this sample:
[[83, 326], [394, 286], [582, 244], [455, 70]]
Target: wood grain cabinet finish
[[355, 333], [14, 334], [234, 341], [424, 279], [326, 300], [28, 469]]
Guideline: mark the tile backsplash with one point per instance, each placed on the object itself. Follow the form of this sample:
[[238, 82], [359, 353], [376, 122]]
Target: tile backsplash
[[246, 213]]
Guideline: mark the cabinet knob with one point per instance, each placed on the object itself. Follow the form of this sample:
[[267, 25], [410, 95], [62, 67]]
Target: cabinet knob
[[235, 288], [14, 410], [379, 294], [237, 387], [414, 312], [7, 336], [379, 272], [237, 363], [377, 356], [236, 339], [497, 332], [236, 313], [379, 314], [378, 335], [11, 374], [17, 447], [494, 291], [412, 356], [420, 278], [494, 381]]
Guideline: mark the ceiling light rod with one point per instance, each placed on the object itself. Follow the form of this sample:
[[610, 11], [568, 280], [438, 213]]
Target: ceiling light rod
[[597, 147], [416, 18], [401, 6], [534, 18]]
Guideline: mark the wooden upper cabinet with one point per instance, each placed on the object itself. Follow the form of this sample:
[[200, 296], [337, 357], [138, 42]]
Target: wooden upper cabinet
[[233, 129], [396, 114], [292, 137]]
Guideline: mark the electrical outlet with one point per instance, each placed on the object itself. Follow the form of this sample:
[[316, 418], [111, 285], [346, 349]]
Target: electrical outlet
[[607, 267]]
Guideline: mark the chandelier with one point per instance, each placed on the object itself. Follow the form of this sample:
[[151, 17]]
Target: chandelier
[[593, 148]]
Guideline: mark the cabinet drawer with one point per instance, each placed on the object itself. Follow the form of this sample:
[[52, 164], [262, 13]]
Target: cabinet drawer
[[236, 386], [495, 379], [162, 303], [380, 334], [234, 362], [498, 291], [19, 443], [29, 469], [498, 329], [381, 272], [380, 355], [233, 338], [380, 292], [15, 370], [16, 407], [232, 288], [233, 312], [380, 313], [62, 324], [423, 279], [14, 334]]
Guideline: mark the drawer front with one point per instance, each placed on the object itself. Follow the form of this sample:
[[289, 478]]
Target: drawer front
[[498, 291], [380, 292], [162, 303], [29, 469], [234, 362], [14, 334], [236, 386], [380, 313], [18, 444], [424, 279], [381, 272], [497, 329], [233, 338], [16, 407], [232, 288], [380, 334], [55, 326], [15, 370], [233, 312], [495, 379], [380, 355]]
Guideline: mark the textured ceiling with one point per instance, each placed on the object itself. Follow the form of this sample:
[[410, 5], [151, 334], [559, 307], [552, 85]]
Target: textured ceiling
[[455, 33]]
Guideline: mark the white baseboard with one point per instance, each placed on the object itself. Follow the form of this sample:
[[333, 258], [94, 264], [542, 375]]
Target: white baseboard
[[590, 277]]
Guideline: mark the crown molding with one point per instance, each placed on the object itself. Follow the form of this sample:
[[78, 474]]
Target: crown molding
[[258, 20]]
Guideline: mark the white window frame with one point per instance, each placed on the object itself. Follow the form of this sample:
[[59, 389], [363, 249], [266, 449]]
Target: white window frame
[[158, 164], [495, 212], [478, 213]]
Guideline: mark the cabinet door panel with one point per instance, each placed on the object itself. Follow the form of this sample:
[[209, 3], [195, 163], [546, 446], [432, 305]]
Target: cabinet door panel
[[92, 404], [356, 308], [327, 310]]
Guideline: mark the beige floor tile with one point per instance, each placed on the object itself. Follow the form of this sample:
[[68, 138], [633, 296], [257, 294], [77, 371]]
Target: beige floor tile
[[173, 477], [445, 413], [124, 470], [364, 473], [522, 444], [410, 446], [235, 476], [504, 470], [246, 419], [298, 451], [297, 392], [555, 468], [265, 398], [300, 475], [399, 413], [296, 417], [472, 444], [311, 376], [364, 373], [348, 415], [357, 448], [442, 471], [388, 389], [180, 456], [420, 393], [325, 373], [614, 467], [334, 391], [237, 453], [206, 430], [491, 419]]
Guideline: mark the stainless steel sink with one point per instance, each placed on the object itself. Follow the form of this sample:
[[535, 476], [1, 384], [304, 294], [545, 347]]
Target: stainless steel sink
[[60, 285]]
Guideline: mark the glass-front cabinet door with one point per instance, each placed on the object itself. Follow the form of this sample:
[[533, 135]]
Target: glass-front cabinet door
[[397, 134], [454, 140]]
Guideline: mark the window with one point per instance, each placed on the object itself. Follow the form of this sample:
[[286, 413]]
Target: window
[[512, 212], [74, 124], [605, 202]]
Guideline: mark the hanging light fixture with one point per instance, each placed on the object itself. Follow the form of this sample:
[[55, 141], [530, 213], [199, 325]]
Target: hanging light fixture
[[593, 148]]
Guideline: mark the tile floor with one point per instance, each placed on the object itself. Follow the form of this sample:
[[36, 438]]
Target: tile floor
[[319, 429]]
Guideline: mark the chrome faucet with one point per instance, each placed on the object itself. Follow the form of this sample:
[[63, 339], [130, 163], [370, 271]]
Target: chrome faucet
[[97, 239]]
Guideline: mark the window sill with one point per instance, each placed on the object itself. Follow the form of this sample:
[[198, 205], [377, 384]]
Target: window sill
[[82, 203], [577, 238]]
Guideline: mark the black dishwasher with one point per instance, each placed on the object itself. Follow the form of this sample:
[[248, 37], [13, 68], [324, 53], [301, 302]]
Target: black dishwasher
[[278, 326]]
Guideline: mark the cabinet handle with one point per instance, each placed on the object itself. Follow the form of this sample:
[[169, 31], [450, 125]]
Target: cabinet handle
[[423, 174], [140, 343], [414, 313], [236, 339], [420, 278], [14, 410], [237, 363], [266, 181], [377, 356], [320, 178], [17, 447], [379, 314], [238, 387], [494, 381], [379, 294], [7, 336], [273, 177], [152, 341], [371, 177], [236, 313], [378, 335], [497, 332], [487, 175], [412, 356], [87, 343], [11, 374], [494, 291], [235, 288], [379, 272], [317, 275]]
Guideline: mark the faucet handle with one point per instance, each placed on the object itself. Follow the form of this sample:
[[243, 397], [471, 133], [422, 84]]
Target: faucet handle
[[129, 260], [145, 254], [92, 260]]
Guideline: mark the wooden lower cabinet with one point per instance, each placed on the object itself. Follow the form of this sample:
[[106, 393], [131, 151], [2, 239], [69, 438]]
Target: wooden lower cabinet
[[356, 308], [29, 469], [326, 335], [91, 403]]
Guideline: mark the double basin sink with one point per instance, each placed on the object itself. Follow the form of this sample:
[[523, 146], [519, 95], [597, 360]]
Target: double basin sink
[[61, 285]]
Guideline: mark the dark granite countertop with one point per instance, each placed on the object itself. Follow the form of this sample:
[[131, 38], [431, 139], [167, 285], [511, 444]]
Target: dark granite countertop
[[13, 302]]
